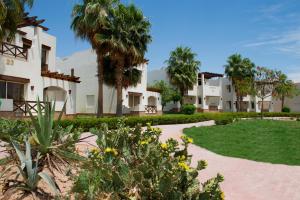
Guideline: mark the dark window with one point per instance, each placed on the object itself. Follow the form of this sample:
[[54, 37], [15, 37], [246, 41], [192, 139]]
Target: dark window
[[200, 100], [44, 56], [229, 104], [229, 88], [2, 89], [200, 81], [15, 91], [252, 104]]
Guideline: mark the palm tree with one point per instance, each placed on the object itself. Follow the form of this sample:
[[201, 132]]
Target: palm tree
[[127, 40], [183, 69], [285, 88], [131, 75], [240, 70], [90, 18], [11, 15]]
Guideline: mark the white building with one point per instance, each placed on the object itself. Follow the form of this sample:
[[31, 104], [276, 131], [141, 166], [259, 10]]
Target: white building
[[215, 93], [28, 71], [136, 100]]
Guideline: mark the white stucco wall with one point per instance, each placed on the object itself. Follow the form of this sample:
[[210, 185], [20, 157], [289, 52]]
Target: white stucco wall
[[85, 66], [31, 68]]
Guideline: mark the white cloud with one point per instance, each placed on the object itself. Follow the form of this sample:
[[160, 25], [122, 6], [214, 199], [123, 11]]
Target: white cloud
[[287, 42]]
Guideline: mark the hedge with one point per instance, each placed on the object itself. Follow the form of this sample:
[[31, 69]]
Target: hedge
[[87, 123]]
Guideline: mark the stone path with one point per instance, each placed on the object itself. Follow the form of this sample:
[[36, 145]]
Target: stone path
[[244, 179]]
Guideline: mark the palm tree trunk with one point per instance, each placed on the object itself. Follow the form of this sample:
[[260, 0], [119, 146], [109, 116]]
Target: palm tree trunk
[[119, 80], [282, 102], [100, 84], [182, 97]]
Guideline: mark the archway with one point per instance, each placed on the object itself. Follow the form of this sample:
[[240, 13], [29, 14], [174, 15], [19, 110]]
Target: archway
[[57, 94]]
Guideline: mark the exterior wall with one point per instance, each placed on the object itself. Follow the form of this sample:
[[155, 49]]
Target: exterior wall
[[31, 68], [87, 90], [218, 94]]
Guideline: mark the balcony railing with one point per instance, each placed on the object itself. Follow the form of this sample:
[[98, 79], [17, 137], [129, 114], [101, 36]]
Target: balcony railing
[[21, 109], [13, 50], [150, 109]]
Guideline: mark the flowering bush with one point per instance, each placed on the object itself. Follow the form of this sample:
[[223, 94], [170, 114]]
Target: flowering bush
[[129, 163]]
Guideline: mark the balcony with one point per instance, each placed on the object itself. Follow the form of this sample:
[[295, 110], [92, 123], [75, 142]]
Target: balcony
[[212, 91], [13, 50]]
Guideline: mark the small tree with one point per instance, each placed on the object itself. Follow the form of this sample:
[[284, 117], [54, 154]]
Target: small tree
[[285, 88], [265, 84], [166, 94]]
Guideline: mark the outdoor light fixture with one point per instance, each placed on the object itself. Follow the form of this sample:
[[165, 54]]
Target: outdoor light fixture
[[32, 87]]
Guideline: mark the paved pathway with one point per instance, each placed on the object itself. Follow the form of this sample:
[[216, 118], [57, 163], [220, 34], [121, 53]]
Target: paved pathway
[[244, 179]]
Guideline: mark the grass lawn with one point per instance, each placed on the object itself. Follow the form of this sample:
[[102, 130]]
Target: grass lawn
[[259, 140]]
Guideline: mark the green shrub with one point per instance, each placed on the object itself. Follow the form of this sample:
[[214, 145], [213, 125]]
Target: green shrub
[[87, 123], [133, 164], [224, 121], [188, 109], [286, 110]]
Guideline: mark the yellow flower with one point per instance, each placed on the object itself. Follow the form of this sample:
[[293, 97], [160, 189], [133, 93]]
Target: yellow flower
[[95, 150], [164, 146], [184, 166], [222, 196], [111, 150], [190, 140], [182, 158], [143, 142], [186, 139]]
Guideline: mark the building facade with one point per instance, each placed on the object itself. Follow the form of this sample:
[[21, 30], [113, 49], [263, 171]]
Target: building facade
[[215, 93], [136, 100], [28, 71]]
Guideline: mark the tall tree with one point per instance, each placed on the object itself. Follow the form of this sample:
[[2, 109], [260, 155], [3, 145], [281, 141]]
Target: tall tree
[[183, 69], [91, 17], [127, 39], [285, 89], [265, 84], [241, 72], [131, 75], [11, 15]]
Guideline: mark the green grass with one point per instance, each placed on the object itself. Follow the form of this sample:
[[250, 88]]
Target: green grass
[[260, 140]]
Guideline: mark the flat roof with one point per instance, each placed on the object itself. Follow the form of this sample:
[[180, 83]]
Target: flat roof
[[209, 75]]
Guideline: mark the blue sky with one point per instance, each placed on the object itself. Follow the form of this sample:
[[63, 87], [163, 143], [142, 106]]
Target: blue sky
[[266, 31]]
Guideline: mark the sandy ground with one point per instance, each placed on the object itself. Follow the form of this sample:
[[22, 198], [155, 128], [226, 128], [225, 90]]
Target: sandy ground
[[244, 179]]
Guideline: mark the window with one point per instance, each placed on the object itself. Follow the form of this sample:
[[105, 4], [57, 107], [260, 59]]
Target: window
[[229, 88], [2, 89], [90, 100], [229, 104], [134, 100], [252, 104], [200, 100], [44, 58], [200, 81], [15, 91]]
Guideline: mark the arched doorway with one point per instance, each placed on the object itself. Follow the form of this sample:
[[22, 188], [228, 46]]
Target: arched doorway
[[57, 94], [152, 105]]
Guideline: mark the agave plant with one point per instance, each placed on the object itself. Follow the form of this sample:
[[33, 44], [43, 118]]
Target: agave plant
[[28, 169], [56, 144]]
